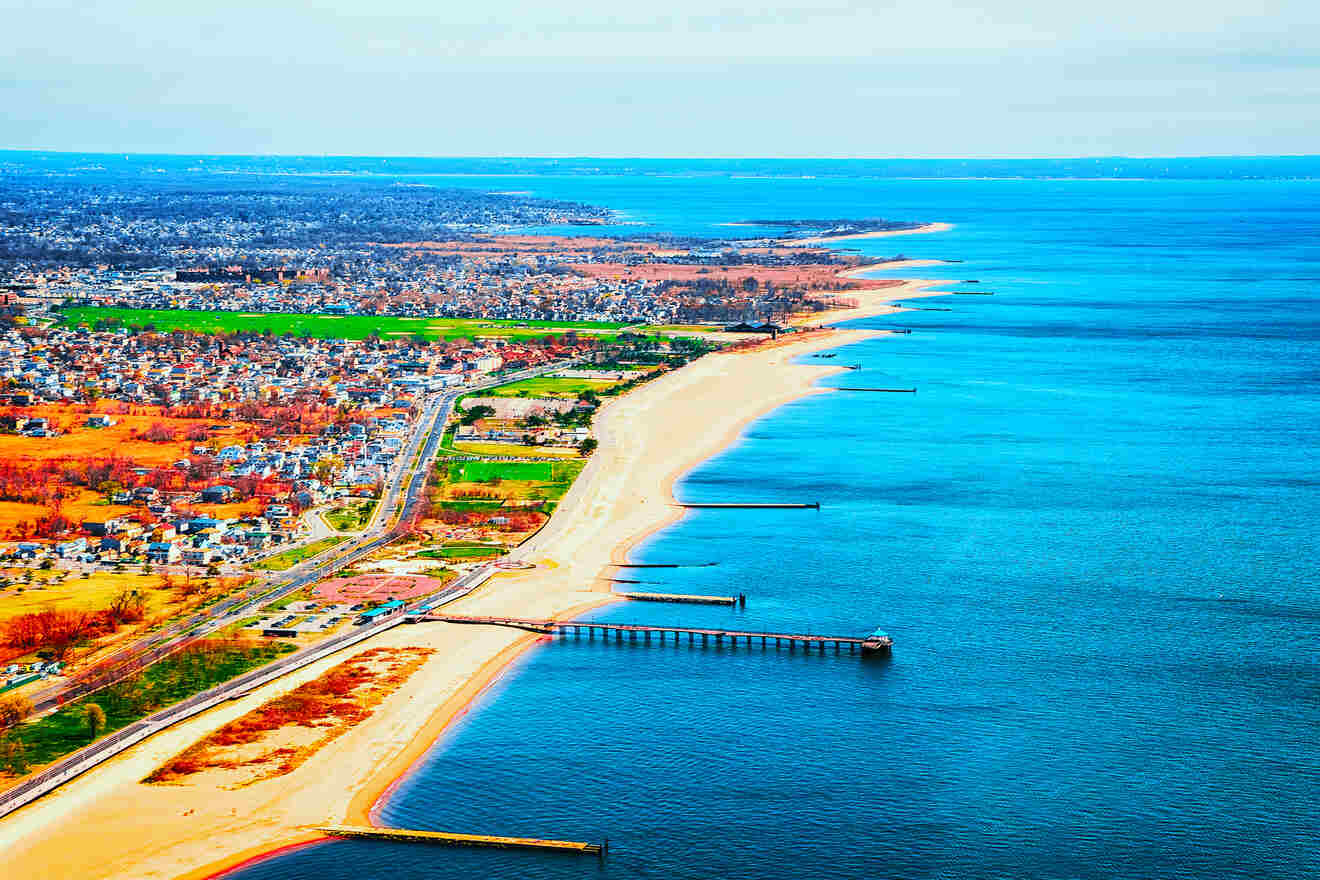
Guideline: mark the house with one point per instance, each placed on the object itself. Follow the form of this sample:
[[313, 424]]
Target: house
[[199, 555], [163, 552], [101, 529], [100, 421], [219, 494], [69, 549], [112, 543]]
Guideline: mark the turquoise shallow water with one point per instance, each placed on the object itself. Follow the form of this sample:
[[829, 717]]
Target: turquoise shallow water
[[1092, 534]]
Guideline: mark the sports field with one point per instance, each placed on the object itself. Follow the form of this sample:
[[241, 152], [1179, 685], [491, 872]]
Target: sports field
[[531, 471], [329, 326]]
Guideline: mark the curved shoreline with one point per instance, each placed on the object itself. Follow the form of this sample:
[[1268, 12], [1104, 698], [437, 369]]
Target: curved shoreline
[[366, 804], [753, 383]]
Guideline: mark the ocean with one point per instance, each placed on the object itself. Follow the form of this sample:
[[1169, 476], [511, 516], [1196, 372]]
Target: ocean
[[1092, 534]]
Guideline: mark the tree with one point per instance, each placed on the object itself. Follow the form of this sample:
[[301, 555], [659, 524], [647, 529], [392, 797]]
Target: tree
[[94, 715], [13, 709], [588, 446], [13, 755], [472, 416]]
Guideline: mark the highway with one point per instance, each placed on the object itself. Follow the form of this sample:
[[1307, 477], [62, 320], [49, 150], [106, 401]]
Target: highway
[[398, 502]]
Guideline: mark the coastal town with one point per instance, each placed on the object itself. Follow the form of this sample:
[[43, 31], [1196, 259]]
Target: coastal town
[[233, 450]]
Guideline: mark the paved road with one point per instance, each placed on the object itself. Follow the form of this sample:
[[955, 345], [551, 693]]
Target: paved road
[[82, 761], [398, 502]]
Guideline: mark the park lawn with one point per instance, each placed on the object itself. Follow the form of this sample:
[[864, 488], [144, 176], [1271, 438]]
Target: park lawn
[[517, 480], [545, 480], [549, 386], [491, 471], [294, 555], [350, 517], [77, 593], [174, 678], [330, 326], [684, 328], [461, 550], [515, 450], [492, 504]]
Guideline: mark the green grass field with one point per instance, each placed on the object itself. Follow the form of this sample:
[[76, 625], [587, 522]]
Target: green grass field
[[461, 551], [474, 505], [522, 480], [350, 517], [168, 681], [545, 386], [291, 557], [486, 471], [329, 326]]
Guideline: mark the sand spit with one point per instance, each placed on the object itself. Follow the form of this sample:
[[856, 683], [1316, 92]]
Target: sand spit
[[819, 240]]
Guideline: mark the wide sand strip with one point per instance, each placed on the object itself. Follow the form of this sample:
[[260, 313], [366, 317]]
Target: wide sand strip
[[108, 824]]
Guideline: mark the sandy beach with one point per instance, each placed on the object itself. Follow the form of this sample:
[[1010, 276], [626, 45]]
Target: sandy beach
[[648, 439]]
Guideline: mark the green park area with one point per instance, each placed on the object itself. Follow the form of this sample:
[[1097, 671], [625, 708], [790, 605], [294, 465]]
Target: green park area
[[516, 480], [552, 386], [176, 677], [294, 555], [326, 326], [351, 517], [461, 550]]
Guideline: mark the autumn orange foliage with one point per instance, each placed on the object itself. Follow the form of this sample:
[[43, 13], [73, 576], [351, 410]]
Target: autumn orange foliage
[[334, 702]]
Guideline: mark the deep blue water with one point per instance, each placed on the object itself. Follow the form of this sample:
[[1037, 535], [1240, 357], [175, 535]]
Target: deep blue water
[[1092, 534]]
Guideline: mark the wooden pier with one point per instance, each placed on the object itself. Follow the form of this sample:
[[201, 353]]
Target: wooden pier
[[883, 390], [740, 599], [876, 644], [811, 505], [363, 832]]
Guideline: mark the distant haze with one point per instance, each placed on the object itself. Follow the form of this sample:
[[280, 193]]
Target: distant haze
[[908, 78]]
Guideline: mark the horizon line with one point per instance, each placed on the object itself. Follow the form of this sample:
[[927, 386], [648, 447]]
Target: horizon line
[[616, 157]]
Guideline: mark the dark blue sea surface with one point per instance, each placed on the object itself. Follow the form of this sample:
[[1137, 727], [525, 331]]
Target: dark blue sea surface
[[1092, 533]]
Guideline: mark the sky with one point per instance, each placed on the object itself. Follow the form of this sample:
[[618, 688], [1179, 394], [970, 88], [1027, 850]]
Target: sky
[[908, 78]]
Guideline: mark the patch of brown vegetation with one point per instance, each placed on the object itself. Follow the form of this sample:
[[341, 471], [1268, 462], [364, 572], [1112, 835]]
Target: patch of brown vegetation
[[282, 733]]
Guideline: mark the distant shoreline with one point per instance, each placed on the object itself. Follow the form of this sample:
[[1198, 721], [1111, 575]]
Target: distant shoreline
[[817, 240], [879, 233]]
